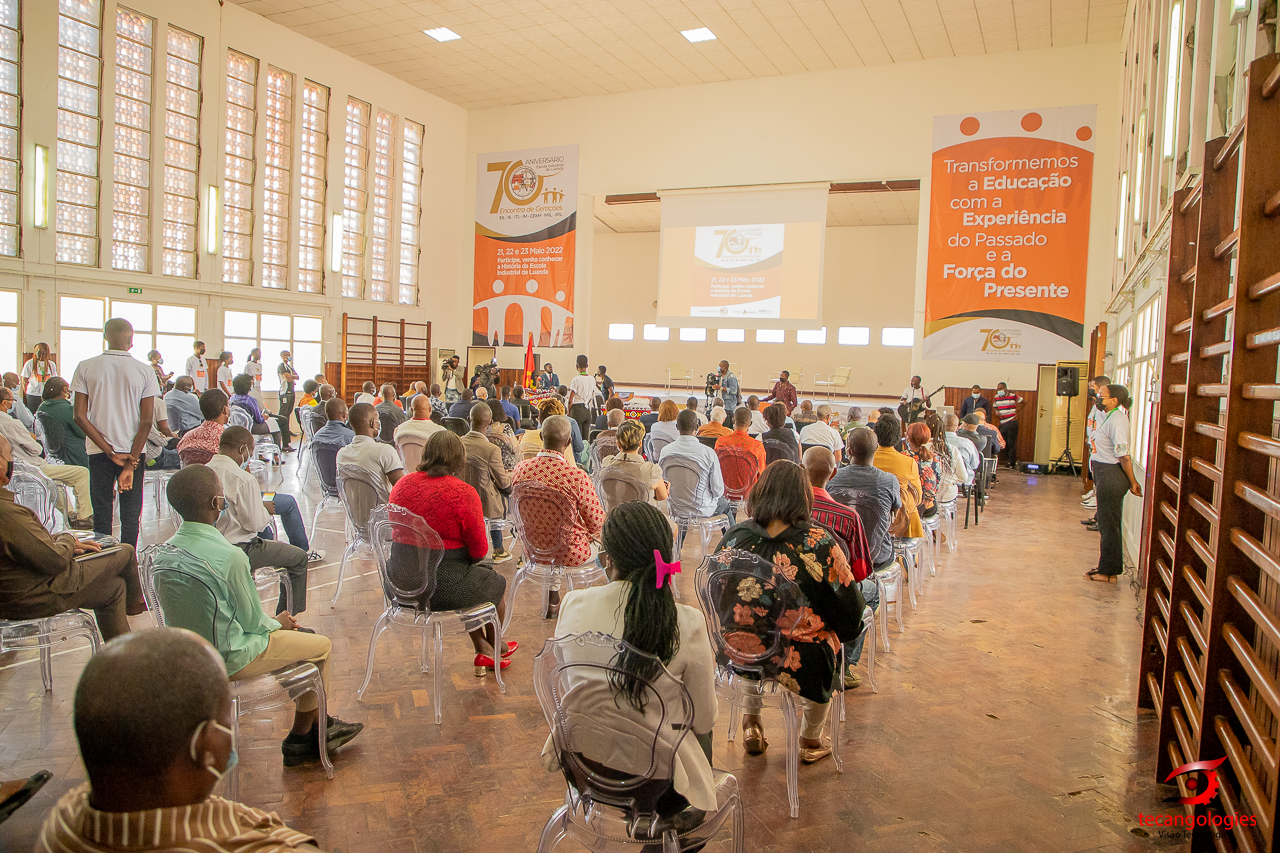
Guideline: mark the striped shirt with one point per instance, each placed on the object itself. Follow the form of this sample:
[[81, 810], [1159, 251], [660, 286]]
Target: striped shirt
[[845, 526], [212, 826], [1007, 406]]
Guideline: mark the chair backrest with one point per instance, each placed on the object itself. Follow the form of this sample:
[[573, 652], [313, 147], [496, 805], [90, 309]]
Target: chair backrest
[[842, 376], [326, 462], [611, 752], [875, 517], [545, 518], [388, 431], [436, 417], [678, 369], [309, 418], [804, 448], [740, 469], [776, 448], [602, 449], [591, 436], [477, 475], [177, 597], [408, 553], [362, 492], [747, 599], [194, 456], [240, 417], [617, 486], [35, 491], [51, 434], [657, 443], [708, 440], [685, 476], [457, 426], [411, 447]]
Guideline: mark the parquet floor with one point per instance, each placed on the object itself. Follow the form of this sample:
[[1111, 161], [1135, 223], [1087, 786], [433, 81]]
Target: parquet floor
[[1005, 719]]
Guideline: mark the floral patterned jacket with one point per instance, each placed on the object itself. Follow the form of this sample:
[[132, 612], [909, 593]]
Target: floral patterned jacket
[[827, 613]]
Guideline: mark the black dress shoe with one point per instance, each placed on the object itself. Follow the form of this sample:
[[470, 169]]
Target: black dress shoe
[[299, 749]]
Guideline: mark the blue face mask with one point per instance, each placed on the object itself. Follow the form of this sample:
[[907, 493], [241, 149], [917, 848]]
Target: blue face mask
[[232, 760]]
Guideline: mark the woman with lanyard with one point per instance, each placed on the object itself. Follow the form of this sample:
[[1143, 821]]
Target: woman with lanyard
[[38, 370], [1112, 477], [253, 369]]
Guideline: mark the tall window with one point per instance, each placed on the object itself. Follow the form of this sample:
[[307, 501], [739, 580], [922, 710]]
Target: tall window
[[383, 173], [272, 333], [181, 153], [130, 217], [238, 172], [171, 329], [80, 321], [355, 197], [1143, 376], [79, 91], [410, 212], [277, 176], [10, 135], [311, 166], [9, 331]]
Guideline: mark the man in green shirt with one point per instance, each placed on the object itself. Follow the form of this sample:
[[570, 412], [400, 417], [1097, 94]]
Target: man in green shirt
[[250, 641]]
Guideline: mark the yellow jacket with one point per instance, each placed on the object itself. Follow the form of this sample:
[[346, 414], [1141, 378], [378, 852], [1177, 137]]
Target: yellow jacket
[[907, 470]]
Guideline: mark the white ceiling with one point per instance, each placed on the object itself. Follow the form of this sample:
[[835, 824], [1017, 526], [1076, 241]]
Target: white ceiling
[[843, 209], [524, 51]]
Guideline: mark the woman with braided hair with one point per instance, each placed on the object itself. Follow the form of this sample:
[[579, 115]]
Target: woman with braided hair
[[637, 606], [950, 465]]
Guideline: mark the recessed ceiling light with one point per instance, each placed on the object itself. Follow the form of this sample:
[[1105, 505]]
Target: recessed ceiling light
[[700, 34], [446, 34]]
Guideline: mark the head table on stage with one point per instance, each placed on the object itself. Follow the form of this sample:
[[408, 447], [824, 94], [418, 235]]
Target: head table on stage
[[634, 407]]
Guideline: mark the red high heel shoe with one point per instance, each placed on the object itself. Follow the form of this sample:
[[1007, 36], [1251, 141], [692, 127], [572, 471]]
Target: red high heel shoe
[[484, 664], [512, 645]]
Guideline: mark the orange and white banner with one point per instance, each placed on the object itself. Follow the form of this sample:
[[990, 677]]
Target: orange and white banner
[[526, 219], [1009, 235]]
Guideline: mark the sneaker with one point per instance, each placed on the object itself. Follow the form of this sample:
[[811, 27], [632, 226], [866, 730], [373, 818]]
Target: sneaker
[[501, 555], [299, 749], [1092, 503], [315, 555], [1086, 497], [852, 680]]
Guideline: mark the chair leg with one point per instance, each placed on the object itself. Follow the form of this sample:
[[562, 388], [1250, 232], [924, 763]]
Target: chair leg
[[438, 656], [342, 567], [46, 663], [521, 571], [870, 649], [322, 711], [789, 702], [499, 645], [554, 831], [231, 781], [739, 825], [286, 592], [378, 628], [836, 730], [670, 843]]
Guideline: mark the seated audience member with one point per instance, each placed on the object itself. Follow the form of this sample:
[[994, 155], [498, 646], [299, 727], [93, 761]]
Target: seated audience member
[[714, 427], [61, 428], [638, 607], [692, 405], [437, 401], [482, 394], [242, 385], [630, 435], [502, 435], [310, 390], [821, 432], [367, 452], [805, 416], [779, 529], [845, 526], [512, 411], [327, 393], [153, 719], [708, 498], [975, 402], [739, 438], [613, 420], [995, 441], [12, 382], [156, 453], [183, 405], [663, 430], [969, 430], [462, 408], [43, 575], [610, 405], [532, 442], [758, 426], [783, 392], [389, 405], [563, 393], [970, 459], [950, 465], [890, 460], [23, 447], [368, 394], [492, 492], [405, 401], [853, 421], [247, 521], [251, 642], [919, 448], [420, 426], [649, 418], [200, 445], [450, 507], [527, 412], [552, 468], [775, 418], [873, 417], [335, 432]]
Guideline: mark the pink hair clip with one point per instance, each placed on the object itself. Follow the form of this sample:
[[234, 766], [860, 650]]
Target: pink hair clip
[[664, 569]]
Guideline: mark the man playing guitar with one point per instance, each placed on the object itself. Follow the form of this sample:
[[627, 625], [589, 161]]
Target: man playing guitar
[[914, 401]]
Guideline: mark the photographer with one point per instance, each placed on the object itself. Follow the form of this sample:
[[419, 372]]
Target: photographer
[[452, 378]]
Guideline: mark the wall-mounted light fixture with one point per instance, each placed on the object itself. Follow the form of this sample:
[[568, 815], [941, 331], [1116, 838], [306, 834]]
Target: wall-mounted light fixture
[[1240, 10], [335, 244], [211, 219], [41, 209]]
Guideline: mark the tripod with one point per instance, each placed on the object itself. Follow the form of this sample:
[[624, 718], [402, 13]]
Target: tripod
[[1066, 451]]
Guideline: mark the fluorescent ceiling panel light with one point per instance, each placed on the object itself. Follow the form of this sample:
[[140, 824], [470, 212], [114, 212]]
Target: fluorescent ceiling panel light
[[700, 34], [446, 34]]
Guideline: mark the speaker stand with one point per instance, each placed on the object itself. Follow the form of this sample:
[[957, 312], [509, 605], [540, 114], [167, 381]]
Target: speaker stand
[[1066, 451]]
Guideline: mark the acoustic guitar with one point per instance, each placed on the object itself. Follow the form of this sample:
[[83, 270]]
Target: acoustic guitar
[[910, 412]]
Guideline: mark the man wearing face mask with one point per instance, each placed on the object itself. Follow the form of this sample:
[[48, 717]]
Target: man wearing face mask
[[43, 575], [153, 719], [250, 642], [974, 402], [247, 520]]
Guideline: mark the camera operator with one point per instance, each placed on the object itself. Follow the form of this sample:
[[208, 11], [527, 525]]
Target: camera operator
[[727, 385], [450, 378]]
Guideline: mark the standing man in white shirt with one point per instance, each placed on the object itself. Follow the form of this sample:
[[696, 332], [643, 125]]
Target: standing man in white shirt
[[583, 388], [115, 405], [366, 451], [247, 521], [1089, 499], [198, 369], [821, 433]]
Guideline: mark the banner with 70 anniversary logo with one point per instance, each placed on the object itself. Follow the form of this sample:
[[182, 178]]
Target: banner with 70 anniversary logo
[[1009, 235], [526, 219]]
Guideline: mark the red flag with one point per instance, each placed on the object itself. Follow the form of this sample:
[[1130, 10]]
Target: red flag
[[529, 367]]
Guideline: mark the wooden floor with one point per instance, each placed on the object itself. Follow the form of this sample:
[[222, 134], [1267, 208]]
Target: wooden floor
[[1005, 719]]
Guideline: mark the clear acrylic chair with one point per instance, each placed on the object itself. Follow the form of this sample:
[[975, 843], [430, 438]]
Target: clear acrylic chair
[[946, 526], [324, 460], [746, 655], [40, 494], [889, 587], [51, 434], [602, 449], [910, 550], [868, 649], [477, 475], [408, 554], [411, 447], [739, 468], [264, 447], [44, 634], [307, 421], [776, 448], [683, 502], [614, 807], [545, 518], [179, 598], [362, 492], [615, 485]]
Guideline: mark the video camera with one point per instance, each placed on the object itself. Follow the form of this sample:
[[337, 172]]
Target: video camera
[[713, 382]]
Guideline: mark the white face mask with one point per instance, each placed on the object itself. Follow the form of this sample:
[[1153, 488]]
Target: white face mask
[[976, 395], [232, 760]]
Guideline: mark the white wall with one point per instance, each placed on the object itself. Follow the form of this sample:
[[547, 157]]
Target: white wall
[[444, 233], [859, 124]]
